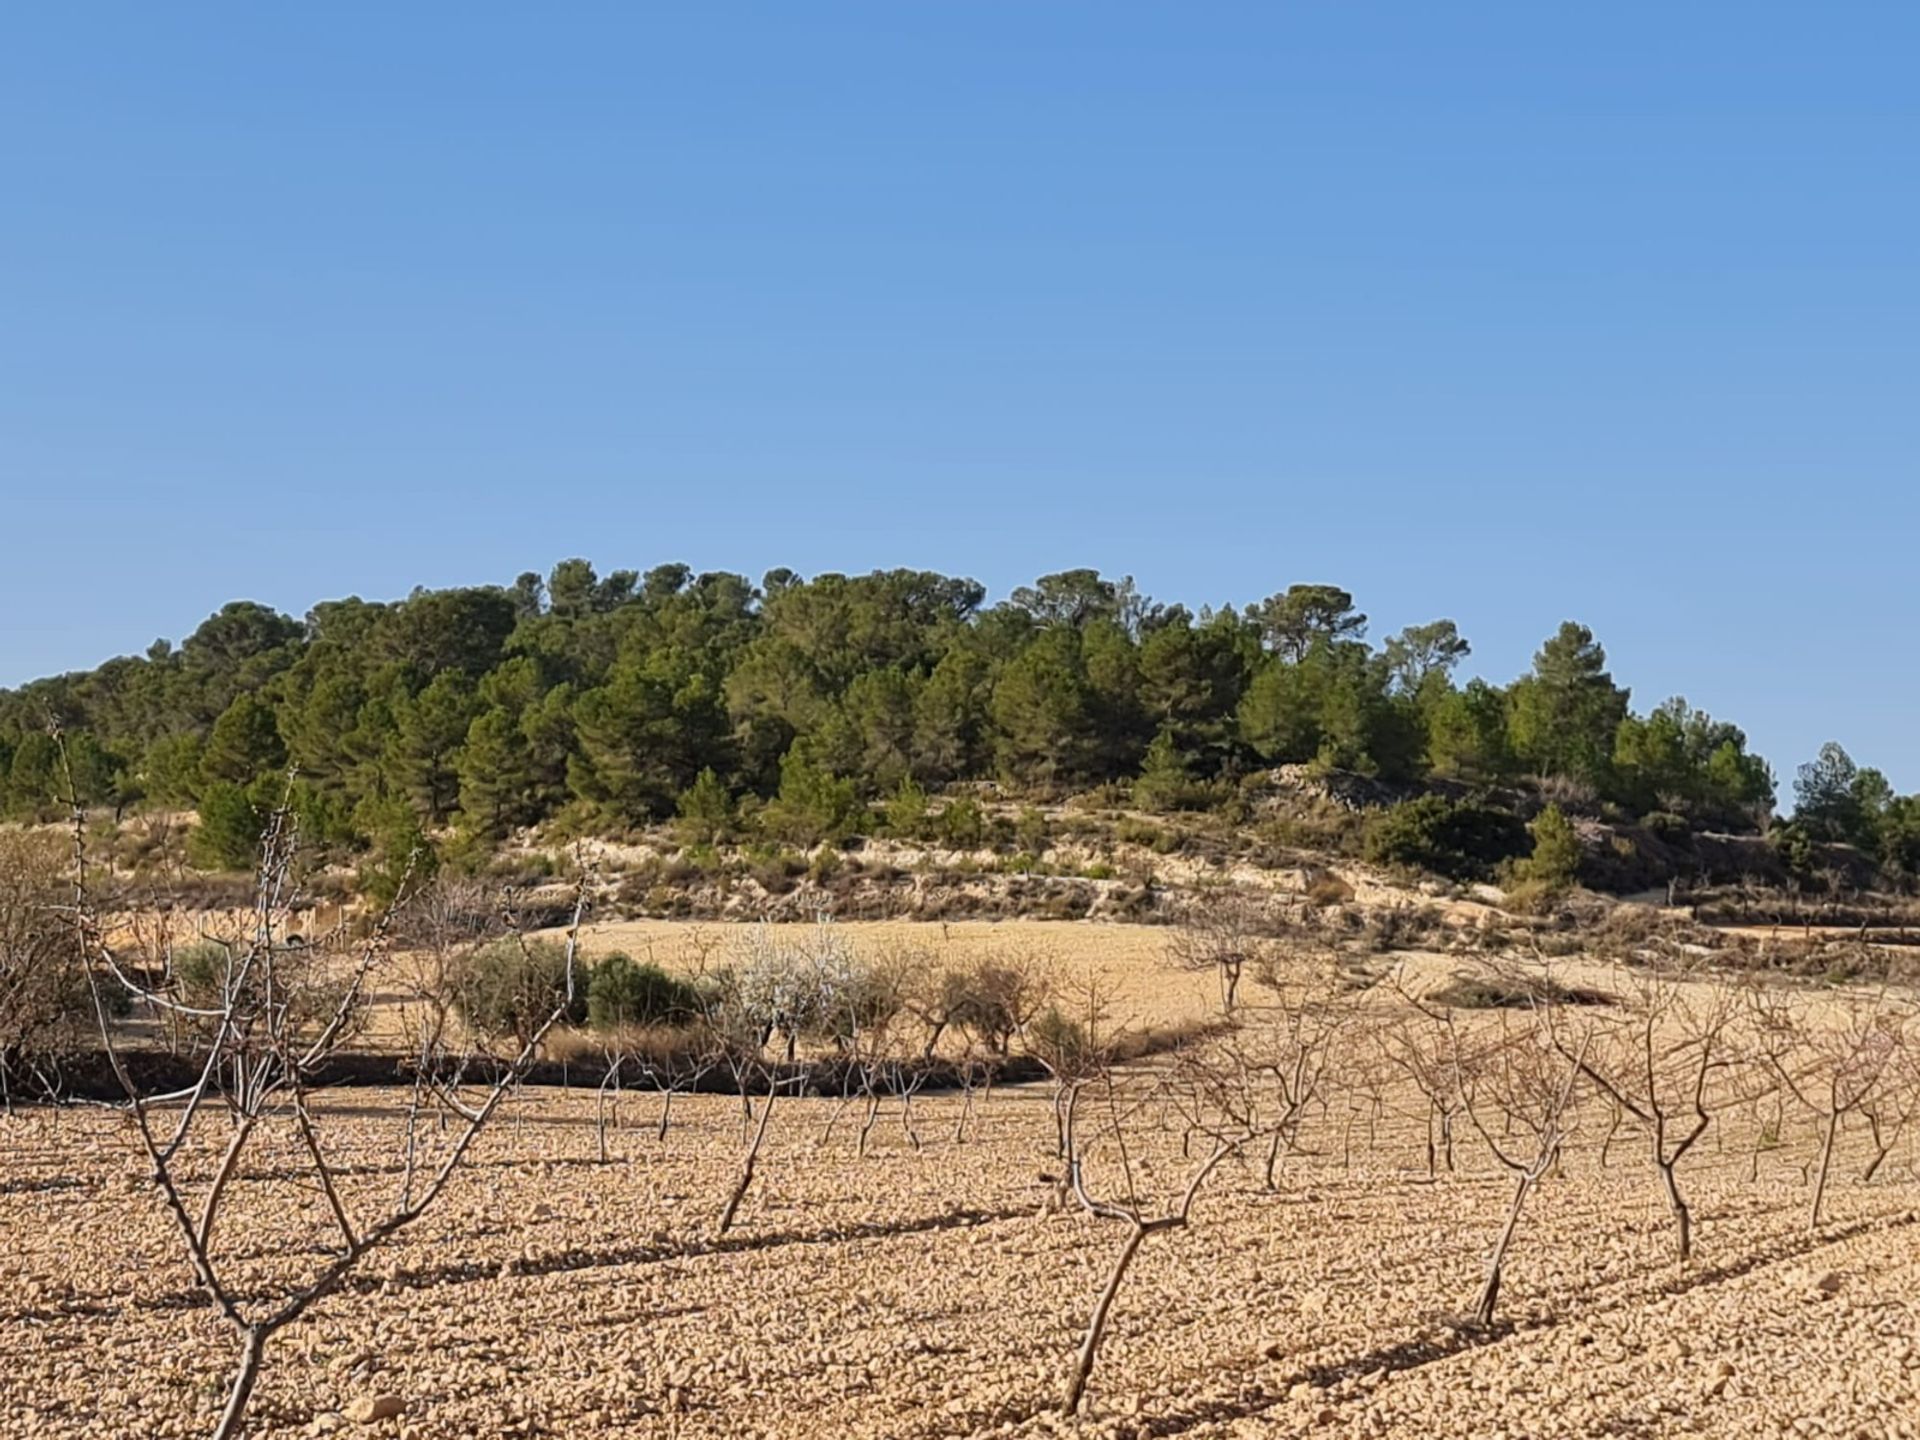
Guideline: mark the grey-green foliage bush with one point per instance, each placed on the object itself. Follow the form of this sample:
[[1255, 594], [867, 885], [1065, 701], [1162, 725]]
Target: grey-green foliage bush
[[1061, 1043], [511, 986], [211, 975]]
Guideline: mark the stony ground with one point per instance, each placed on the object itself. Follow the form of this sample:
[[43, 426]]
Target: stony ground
[[935, 1292]]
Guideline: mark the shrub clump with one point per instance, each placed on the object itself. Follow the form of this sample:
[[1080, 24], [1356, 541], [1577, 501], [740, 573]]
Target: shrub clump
[[1459, 841], [511, 986], [623, 993], [1500, 992]]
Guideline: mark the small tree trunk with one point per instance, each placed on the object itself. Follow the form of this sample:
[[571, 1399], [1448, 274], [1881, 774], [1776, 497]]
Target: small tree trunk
[[1682, 1216], [252, 1348], [746, 1167], [833, 1123], [600, 1116], [1490, 1292], [1881, 1148], [1097, 1322], [1273, 1162], [1820, 1178], [906, 1121]]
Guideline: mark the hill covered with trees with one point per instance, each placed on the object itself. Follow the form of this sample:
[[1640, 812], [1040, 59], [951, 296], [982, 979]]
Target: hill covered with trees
[[620, 700]]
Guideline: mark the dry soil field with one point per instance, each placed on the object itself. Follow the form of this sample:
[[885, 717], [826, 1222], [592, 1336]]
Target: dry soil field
[[938, 1292], [939, 1286]]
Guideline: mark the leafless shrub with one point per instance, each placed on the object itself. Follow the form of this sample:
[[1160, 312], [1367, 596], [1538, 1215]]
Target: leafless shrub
[[1399, 927], [44, 1008], [1509, 989]]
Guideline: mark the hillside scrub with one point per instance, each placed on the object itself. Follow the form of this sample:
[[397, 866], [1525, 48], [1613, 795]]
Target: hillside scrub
[[799, 710]]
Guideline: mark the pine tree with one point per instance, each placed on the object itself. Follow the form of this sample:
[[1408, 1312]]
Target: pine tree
[[244, 745], [1555, 861], [706, 810], [1164, 782]]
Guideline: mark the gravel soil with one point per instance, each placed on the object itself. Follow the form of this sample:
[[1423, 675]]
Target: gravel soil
[[940, 1290]]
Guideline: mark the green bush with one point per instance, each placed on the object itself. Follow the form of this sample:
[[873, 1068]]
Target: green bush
[[774, 868], [907, 812], [622, 992], [706, 811], [1031, 831], [963, 825], [813, 804], [228, 835], [403, 857], [1459, 841], [1672, 828]]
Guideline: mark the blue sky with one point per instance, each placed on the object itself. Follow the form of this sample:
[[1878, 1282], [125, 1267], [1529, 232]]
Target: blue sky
[[1507, 312]]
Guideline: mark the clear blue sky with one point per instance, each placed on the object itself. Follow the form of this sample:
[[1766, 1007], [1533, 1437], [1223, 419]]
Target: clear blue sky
[[1508, 312]]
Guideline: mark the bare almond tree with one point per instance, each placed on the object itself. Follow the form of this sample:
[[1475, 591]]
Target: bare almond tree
[[1891, 1108], [1228, 1132], [1832, 1067], [266, 1045], [1524, 1079], [1227, 932], [42, 987], [1421, 1048], [1656, 1068], [745, 1071], [680, 1065], [1284, 1062]]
